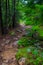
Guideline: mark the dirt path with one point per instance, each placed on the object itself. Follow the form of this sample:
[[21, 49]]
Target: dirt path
[[9, 47]]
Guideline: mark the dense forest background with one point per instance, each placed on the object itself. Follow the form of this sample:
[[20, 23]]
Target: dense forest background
[[21, 32], [8, 15], [14, 11]]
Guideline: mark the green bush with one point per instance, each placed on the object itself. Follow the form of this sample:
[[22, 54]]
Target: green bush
[[24, 41], [29, 39], [35, 28], [34, 16], [36, 31], [29, 23], [33, 55]]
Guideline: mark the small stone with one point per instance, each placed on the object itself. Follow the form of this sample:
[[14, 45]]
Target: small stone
[[4, 64], [7, 41], [18, 36], [2, 44], [5, 61], [15, 39], [22, 61], [4, 39], [15, 44]]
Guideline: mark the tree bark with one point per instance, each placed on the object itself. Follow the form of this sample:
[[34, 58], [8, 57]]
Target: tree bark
[[14, 20], [6, 19], [1, 21]]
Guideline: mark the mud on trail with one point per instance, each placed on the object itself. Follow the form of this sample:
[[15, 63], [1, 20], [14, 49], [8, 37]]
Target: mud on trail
[[9, 47]]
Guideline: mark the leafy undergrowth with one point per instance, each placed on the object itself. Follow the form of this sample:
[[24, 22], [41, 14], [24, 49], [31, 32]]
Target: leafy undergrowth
[[27, 46], [26, 41], [32, 37], [33, 55], [37, 31], [29, 23]]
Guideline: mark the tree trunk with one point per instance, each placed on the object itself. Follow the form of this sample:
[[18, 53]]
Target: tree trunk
[[14, 20], [9, 12], [6, 19], [1, 21]]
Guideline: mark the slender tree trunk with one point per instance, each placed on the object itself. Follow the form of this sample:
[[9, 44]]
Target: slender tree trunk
[[1, 21], [9, 12], [14, 18], [6, 20]]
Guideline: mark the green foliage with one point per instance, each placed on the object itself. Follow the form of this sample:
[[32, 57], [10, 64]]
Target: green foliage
[[32, 36], [29, 13], [41, 32], [23, 41], [32, 54], [29, 23], [21, 53], [37, 31], [35, 28], [27, 41], [34, 15]]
